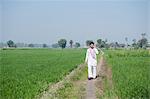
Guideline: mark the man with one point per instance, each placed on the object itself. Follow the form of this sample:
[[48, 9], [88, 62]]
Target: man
[[91, 60]]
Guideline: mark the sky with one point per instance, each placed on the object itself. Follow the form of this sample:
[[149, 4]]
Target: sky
[[47, 21]]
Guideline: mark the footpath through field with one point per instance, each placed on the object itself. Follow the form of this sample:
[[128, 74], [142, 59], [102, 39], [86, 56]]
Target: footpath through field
[[88, 89], [95, 87]]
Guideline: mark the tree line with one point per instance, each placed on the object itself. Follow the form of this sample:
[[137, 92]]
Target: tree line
[[141, 43], [61, 43]]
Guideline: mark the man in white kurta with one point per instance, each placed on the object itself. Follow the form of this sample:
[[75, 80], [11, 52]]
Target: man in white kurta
[[91, 60]]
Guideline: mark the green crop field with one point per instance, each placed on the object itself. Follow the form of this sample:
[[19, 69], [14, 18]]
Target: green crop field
[[27, 72], [130, 73]]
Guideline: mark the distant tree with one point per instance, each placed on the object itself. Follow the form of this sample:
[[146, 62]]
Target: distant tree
[[71, 43], [31, 45], [126, 39], [45, 45], [142, 43], [62, 43], [10, 43], [88, 42], [56, 45], [116, 44], [134, 44], [101, 43], [77, 45]]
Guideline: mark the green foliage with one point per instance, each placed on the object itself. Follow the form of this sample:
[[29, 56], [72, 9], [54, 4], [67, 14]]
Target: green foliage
[[88, 42], [31, 45], [102, 44], [71, 43], [45, 45], [26, 73], [62, 43], [10, 43], [75, 87], [142, 43], [77, 45], [130, 69]]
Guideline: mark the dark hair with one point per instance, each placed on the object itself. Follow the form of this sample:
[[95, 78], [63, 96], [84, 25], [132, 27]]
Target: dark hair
[[91, 43]]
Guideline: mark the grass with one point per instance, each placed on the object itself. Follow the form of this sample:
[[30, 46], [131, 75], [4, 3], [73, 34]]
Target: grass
[[130, 71], [27, 72], [75, 87]]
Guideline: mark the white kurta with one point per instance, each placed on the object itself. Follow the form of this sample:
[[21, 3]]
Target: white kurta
[[92, 61]]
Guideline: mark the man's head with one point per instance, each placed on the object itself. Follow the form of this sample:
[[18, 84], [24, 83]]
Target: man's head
[[92, 44]]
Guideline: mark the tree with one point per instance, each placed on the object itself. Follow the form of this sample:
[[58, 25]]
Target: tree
[[71, 43], [134, 44], [88, 42], [31, 45], [62, 43], [142, 43], [126, 39], [101, 43], [77, 45], [116, 44], [45, 45], [56, 45], [10, 43]]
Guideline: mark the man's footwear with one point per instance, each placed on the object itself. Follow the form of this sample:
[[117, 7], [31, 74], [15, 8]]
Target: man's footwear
[[94, 77], [90, 78]]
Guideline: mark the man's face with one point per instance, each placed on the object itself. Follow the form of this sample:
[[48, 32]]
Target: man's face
[[92, 45]]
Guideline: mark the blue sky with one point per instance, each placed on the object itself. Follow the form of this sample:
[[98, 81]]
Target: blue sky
[[46, 21]]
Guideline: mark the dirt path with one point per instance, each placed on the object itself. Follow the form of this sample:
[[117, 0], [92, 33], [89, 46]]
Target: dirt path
[[82, 88], [90, 90], [96, 86], [91, 84]]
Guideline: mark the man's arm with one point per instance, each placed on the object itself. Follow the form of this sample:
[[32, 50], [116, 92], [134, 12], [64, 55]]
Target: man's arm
[[96, 51]]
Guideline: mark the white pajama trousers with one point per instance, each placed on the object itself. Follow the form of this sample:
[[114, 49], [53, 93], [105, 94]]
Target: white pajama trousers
[[91, 71]]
